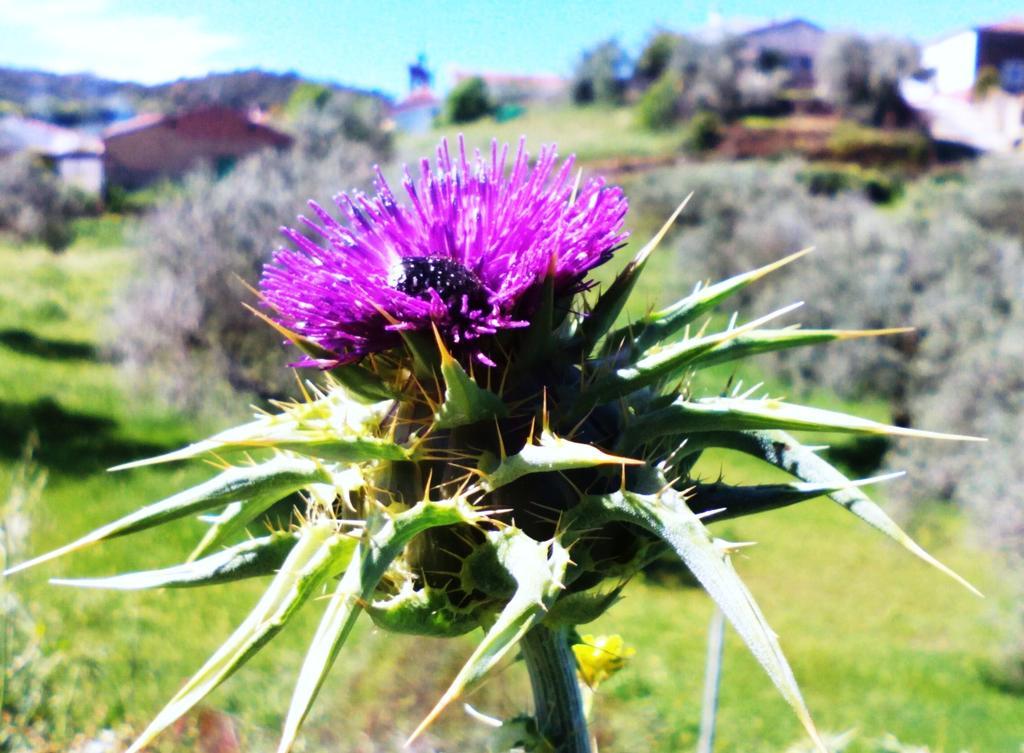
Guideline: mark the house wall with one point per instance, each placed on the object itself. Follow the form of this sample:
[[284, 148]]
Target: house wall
[[798, 43], [173, 146], [954, 60], [83, 171]]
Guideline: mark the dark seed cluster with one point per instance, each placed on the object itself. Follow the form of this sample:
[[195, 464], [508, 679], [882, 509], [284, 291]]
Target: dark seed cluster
[[417, 275]]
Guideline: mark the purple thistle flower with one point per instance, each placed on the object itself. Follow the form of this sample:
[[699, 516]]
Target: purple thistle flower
[[464, 254]]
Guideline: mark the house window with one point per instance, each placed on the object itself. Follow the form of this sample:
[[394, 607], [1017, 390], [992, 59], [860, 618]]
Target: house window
[[1012, 75]]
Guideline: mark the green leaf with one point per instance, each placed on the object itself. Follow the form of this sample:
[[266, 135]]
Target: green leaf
[[684, 417], [383, 541], [334, 426], [250, 559], [659, 363], [727, 501], [611, 302], [538, 569], [581, 607], [783, 451], [358, 380], [420, 611], [465, 402], [313, 560], [666, 516], [658, 326], [271, 480], [769, 341], [551, 453]]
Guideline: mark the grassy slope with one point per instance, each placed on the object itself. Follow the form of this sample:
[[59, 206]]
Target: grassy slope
[[592, 133], [878, 640]]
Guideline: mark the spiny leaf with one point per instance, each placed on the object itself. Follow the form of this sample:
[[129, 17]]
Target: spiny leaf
[[358, 380], [551, 453], [581, 607], [538, 339], [383, 541], [666, 516], [612, 301], [421, 611], [781, 450], [727, 501], [537, 569], [272, 480], [465, 402], [250, 559], [741, 414], [768, 341], [313, 560], [659, 363], [658, 326], [333, 426]]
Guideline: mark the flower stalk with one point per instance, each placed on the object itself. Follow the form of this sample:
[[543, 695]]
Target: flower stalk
[[557, 701]]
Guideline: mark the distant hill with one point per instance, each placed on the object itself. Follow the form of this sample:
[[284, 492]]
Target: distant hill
[[80, 97]]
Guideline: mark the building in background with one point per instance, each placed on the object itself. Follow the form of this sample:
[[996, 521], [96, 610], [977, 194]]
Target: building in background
[[791, 45], [417, 112], [152, 147], [76, 156], [958, 107], [954, 61]]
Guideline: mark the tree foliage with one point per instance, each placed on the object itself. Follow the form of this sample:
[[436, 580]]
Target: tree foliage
[[601, 74], [469, 100]]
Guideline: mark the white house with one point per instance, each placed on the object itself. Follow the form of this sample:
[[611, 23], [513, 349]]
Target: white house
[[77, 157], [956, 59]]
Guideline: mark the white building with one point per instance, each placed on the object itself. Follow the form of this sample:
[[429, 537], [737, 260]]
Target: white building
[[956, 59]]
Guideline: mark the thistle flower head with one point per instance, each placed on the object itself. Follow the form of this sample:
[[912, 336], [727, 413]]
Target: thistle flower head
[[464, 251]]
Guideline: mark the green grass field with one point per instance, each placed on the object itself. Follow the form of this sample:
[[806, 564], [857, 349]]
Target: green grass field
[[878, 641], [593, 134]]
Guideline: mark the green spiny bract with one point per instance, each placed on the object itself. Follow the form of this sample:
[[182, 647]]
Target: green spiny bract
[[438, 500]]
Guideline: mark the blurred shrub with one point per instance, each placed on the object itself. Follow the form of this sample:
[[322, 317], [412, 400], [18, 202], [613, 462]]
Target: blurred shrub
[[830, 179], [35, 206], [31, 695], [658, 107], [851, 142], [181, 324], [861, 76], [601, 74], [655, 57], [703, 132], [469, 100]]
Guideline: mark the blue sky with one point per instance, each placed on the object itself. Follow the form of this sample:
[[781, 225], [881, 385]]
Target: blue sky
[[368, 43]]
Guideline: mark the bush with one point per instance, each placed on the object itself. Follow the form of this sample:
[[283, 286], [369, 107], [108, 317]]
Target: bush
[[35, 206], [703, 132], [181, 323], [851, 142], [860, 77], [658, 107], [468, 101], [831, 179]]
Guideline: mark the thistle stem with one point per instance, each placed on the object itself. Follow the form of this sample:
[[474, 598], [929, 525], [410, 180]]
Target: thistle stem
[[556, 692]]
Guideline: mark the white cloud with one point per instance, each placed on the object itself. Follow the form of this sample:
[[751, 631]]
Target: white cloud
[[96, 36]]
